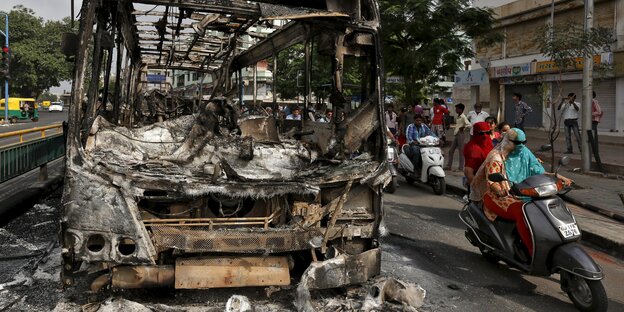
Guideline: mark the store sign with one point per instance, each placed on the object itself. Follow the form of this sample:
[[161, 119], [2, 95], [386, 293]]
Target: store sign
[[155, 78], [475, 77], [512, 70], [395, 79], [550, 66]]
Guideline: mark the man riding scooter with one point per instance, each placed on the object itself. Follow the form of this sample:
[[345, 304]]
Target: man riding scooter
[[414, 132]]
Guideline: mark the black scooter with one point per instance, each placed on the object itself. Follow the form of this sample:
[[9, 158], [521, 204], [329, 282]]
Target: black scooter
[[555, 233]]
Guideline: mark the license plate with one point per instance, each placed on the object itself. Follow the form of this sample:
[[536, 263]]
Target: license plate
[[569, 230]]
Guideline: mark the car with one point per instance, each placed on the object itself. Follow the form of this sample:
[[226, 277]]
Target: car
[[56, 107]]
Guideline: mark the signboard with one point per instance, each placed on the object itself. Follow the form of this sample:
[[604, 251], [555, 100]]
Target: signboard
[[475, 77], [394, 79], [549, 66], [155, 78], [512, 70]]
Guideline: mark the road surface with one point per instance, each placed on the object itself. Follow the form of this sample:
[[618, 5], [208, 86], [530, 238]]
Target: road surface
[[427, 247], [434, 253], [45, 119]]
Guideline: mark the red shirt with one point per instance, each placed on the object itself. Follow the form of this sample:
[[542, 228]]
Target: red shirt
[[438, 114], [474, 155]]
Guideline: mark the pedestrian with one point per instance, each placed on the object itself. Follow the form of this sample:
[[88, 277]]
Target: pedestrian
[[426, 111], [461, 126], [476, 150], [477, 115], [596, 117], [437, 121], [391, 119], [501, 129], [416, 131], [296, 114], [571, 110], [403, 120], [522, 110], [494, 134], [418, 109]]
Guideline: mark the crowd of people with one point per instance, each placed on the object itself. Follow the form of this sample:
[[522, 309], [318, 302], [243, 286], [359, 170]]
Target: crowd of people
[[485, 147]]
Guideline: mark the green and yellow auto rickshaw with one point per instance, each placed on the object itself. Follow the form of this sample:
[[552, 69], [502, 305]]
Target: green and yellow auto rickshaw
[[20, 109]]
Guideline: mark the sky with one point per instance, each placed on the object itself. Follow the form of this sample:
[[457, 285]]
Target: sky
[[48, 9]]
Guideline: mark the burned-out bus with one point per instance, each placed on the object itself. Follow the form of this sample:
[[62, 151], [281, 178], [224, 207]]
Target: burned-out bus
[[219, 182]]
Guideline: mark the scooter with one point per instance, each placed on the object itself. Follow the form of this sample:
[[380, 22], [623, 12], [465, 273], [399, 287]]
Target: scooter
[[430, 171], [393, 162], [555, 233]]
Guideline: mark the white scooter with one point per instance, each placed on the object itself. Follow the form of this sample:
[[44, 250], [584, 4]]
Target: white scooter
[[432, 160]]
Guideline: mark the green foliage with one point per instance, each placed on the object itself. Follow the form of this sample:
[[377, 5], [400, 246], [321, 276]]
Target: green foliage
[[425, 39], [36, 60], [564, 43], [47, 96]]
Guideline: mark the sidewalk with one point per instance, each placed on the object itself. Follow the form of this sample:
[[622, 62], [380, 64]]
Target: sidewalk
[[25, 189], [611, 148]]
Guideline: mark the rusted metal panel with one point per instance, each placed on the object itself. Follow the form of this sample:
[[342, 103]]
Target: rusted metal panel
[[343, 270], [234, 240], [220, 272], [263, 129]]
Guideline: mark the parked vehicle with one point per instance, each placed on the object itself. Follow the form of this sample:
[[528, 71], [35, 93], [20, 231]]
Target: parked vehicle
[[430, 171], [393, 162], [555, 234], [56, 107], [20, 109]]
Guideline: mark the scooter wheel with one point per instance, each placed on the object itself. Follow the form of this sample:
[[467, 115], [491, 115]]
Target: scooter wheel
[[391, 188], [439, 185], [587, 295]]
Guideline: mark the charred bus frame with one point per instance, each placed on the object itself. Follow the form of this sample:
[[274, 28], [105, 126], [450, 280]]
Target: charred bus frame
[[207, 196]]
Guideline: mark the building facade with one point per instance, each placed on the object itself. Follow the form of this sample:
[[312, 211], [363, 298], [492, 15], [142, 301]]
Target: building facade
[[516, 64]]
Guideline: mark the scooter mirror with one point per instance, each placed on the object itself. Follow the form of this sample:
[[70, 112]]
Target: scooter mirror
[[545, 148], [496, 177], [564, 161]]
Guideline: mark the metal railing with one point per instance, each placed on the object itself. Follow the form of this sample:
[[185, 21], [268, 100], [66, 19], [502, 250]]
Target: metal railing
[[19, 158]]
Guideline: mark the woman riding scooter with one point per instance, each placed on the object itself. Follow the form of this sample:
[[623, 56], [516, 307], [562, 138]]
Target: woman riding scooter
[[516, 162]]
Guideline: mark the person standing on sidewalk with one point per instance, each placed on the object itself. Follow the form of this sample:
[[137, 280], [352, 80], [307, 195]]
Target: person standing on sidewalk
[[460, 137], [437, 122], [477, 115], [570, 120], [596, 117], [391, 119], [522, 110]]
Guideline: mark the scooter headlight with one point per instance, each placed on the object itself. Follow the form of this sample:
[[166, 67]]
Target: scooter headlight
[[540, 191]]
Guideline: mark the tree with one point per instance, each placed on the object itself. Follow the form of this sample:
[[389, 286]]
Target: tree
[[47, 96], [36, 60], [425, 39], [564, 44]]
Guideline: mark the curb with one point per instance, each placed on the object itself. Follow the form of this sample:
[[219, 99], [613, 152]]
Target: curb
[[30, 195], [611, 247], [602, 211]]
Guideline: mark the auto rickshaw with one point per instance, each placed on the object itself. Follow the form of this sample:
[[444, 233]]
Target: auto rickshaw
[[20, 109], [45, 104]]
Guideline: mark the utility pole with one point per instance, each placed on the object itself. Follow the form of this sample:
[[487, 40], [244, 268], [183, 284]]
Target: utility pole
[[586, 107], [6, 79]]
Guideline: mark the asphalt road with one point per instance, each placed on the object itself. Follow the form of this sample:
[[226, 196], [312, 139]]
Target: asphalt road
[[427, 247], [45, 119], [434, 253]]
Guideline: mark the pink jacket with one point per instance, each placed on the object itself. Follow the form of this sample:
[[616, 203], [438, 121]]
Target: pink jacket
[[596, 111]]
